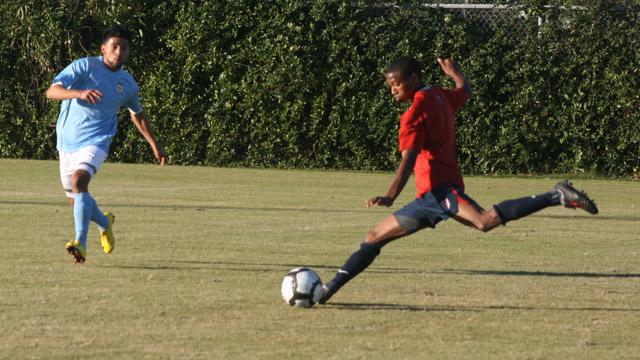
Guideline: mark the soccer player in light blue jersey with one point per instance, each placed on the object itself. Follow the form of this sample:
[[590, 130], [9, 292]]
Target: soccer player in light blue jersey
[[92, 90]]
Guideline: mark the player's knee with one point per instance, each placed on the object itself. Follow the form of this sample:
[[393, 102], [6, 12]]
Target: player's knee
[[372, 237], [484, 227], [487, 222], [80, 181], [377, 237]]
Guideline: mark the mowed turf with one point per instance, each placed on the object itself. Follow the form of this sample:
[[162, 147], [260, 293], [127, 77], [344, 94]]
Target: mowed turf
[[201, 252]]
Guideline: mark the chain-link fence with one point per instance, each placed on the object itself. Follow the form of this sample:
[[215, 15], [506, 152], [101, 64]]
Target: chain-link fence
[[513, 20]]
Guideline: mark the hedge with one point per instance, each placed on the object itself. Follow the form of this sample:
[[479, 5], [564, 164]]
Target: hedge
[[299, 83]]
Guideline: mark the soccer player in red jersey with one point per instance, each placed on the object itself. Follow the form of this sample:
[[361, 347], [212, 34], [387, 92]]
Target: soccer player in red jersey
[[427, 144]]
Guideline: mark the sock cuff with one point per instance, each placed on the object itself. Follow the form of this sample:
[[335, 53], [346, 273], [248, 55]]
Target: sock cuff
[[370, 248], [82, 195], [500, 215]]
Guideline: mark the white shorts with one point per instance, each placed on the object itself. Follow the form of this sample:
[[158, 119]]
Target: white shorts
[[89, 158]]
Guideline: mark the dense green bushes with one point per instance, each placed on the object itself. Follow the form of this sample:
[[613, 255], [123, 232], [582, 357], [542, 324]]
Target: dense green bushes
[[298, 83]]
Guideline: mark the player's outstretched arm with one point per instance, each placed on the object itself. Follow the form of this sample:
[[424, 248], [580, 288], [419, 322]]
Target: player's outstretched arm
[[399, 180], [452, 69], [142, 124], [58, 92]]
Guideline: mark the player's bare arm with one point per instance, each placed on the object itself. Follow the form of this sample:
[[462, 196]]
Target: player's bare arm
[[399, 180], [58, 92], [452, 69], [141, 122]]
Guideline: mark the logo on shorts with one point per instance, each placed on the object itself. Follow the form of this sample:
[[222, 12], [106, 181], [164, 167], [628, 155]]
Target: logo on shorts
[[119, 88], [446, 204]]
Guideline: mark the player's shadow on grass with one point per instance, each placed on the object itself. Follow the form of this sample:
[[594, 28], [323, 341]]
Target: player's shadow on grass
[[246, 266], [584, 216], [262, 267], [256, 267], [470, 308], [241, 266], [394, 307], [143, 267], [279, 267], [537, 273], [182, 207]]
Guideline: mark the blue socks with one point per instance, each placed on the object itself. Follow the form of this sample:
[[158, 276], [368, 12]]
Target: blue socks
[[98, 217], [357, 262], [517, 208], [86, 209]]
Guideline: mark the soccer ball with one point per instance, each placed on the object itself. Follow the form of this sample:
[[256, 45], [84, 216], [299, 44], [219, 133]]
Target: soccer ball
[[301, 287]]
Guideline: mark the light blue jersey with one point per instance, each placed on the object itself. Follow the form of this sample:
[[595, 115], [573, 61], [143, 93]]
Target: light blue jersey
[[81, 123]]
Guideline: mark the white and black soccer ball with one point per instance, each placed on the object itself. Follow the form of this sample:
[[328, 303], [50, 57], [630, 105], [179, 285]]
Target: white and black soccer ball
[[301, 287]]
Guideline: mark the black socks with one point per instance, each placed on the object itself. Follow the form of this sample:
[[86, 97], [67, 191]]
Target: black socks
[[357, 262], [517, 208]]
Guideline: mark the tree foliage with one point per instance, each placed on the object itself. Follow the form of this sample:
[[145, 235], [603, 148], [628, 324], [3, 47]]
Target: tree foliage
[[298, 83]]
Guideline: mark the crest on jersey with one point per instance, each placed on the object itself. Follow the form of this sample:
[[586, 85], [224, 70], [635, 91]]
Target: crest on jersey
[[119, 88]]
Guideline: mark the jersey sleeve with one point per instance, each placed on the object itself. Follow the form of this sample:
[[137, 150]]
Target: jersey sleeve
[[72, 73], [457, 97], [412, 131], [133, 104]]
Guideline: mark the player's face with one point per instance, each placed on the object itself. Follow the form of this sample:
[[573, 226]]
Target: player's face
[[115, 52], [402, 89]]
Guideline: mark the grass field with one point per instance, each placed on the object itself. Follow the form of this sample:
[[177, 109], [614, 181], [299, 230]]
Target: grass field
[[201, 252]]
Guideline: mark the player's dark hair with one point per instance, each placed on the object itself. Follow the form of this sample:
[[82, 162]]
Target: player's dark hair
[[405, 66], [118, 31]]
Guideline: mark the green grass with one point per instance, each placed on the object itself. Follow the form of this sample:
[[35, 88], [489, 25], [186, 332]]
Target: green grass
[[201, 252]]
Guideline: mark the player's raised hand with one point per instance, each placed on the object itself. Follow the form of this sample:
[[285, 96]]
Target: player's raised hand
[[379, 201], [91, 96], [450, 67]]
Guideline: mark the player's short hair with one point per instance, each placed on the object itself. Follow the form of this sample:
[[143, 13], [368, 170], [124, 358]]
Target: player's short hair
[[405, 66], [119, 31]]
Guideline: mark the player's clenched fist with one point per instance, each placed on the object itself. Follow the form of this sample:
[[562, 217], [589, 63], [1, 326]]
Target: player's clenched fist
[[92, 96], [380, 201]]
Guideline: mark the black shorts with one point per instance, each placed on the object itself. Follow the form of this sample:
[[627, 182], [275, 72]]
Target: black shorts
[[439, 204]]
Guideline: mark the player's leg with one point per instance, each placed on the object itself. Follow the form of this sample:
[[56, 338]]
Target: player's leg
[[67, 170], [470, 213], [86, 209], [83, 204], [88, 161], [418, 214], [92, 159], [85, 163], [383, 233]]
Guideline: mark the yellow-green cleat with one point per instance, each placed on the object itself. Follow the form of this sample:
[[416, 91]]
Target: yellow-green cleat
[[106, 237], [75, 249]]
